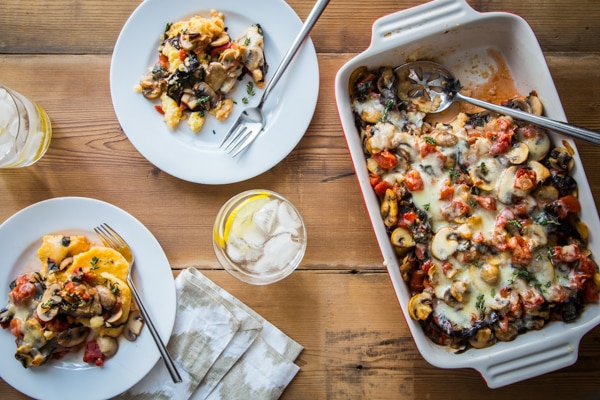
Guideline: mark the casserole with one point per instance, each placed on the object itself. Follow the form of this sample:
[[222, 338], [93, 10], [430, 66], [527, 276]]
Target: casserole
[[453, 34]]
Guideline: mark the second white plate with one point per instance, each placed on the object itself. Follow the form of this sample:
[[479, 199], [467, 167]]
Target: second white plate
[[197, 157], [21, 236]]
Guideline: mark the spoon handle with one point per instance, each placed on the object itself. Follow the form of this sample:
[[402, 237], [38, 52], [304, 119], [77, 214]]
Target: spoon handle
[[544, 122]]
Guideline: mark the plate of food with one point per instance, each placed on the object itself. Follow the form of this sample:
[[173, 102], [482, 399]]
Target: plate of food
[[490, 241], [181, 74], [67, 313]]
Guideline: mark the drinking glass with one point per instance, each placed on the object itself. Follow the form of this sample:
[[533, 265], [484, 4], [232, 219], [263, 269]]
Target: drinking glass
[[259, 237], [25, 130]]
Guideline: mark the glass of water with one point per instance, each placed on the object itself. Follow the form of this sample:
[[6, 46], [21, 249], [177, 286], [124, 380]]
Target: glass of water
[[25, 130], [259, 237]]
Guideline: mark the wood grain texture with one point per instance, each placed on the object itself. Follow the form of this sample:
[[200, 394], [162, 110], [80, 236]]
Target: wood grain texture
[[340, 303]]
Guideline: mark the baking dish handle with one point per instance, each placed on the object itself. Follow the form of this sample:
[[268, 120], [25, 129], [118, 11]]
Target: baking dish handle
[[389, 29], [535, 359]]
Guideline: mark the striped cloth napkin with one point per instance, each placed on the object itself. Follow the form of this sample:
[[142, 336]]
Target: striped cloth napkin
[[222, 348]]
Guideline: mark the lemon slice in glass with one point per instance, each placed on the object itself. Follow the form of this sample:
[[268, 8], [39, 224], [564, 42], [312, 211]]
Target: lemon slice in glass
[[240, 218]]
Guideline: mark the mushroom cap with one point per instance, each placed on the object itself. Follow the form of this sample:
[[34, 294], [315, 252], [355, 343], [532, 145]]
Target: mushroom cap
[[134, 326], [73, 336], [506, 191], [107, 345], [444, 243]]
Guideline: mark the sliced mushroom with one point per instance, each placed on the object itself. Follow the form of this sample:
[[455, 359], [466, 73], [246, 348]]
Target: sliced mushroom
[[507, 334], [506, 191], [535, 235], [48, 307], [114, 317], [538, 144], [135, 322], [215, 75], [402, 240], [152, 89], [207, 97], [460, 291], [419, 306], [189, 41], [389, 208], [486, 174], [518, 153], [542, 173], [561, 159], [107, 297], [73, 336], [490, 274], [546, 194], [483, 338], [530, 104], [107, 345], [65, 263], [582, 229], [444, 243], [222, 40], [498, 303], [535, 105]]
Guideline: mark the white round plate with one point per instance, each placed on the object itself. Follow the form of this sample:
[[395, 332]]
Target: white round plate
[[197, 157], [69, 377]]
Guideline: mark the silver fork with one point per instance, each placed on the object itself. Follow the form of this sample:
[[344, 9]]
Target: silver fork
[[251, 121], [111, 238]]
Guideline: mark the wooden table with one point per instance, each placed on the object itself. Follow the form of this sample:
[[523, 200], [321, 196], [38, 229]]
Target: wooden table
[[339, 304]]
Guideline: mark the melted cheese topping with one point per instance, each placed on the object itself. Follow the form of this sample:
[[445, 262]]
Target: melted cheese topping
[[484, 233]]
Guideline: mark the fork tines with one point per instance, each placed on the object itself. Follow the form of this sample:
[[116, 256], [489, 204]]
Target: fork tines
[[110, 237], [235, 138]]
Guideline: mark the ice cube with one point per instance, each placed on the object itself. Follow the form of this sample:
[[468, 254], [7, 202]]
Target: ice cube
[[288, 220], [240, 252], [278, 252], [254, 236], [265, 217], [281, 248], [8, 117]]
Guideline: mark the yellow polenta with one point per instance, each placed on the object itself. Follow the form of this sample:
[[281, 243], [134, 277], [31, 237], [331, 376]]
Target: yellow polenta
[[101, 259], [55, 248]]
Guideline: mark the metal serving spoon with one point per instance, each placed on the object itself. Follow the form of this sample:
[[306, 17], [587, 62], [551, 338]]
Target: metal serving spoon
[[433, 82]]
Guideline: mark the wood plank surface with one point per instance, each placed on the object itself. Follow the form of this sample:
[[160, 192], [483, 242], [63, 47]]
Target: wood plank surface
[[340, 303]]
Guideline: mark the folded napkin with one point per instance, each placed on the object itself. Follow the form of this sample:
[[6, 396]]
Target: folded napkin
[[222, 348]]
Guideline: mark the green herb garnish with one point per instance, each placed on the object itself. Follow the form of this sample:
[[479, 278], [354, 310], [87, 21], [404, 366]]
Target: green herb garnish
[[480, 304], [515, 223], [484, 169], [202, 100], [388, 105], [250, 89]]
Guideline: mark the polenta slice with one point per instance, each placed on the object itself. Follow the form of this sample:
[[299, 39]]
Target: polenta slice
[[101, 259], [56, 248]]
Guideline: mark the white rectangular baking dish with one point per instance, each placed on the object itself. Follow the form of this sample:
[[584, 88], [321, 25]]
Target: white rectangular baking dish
[[451, 32]]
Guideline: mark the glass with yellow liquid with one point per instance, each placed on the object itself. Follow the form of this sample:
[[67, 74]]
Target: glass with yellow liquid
[[259, 237], [25, 130]]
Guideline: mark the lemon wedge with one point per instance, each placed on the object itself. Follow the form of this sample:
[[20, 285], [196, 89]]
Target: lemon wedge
[[240, 219]]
